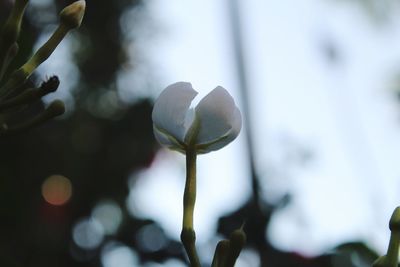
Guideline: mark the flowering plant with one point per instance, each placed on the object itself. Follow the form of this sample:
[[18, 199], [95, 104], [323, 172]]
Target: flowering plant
[[212, 124], [13, 96]]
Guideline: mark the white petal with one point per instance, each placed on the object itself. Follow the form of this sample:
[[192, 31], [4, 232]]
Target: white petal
[[171, 109], [226, 139], [167, 140], [217, 115]]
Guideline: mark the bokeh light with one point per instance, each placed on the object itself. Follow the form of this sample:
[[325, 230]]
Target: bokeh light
[[117, 255], [88, 233], [168, 263], [109, 215], [151, 238], [57, 190]]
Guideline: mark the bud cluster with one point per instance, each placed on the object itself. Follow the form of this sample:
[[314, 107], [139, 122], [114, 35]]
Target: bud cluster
[[14, 94]]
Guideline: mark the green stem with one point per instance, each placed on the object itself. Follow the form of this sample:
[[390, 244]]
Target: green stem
[[11, 53], [220, 254], [46, 49], [392, 255], [23, 73], [188, 235], [56, 108], [11, 29]]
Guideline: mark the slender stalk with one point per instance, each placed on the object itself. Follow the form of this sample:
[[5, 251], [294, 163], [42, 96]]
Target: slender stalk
[[23, 73], [392, 256], [11, 53], [221, 252], [237, 241], [188, 235], [56, 108], [11, 29]]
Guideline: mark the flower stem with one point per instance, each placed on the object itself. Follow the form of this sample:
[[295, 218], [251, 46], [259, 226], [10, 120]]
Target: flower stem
[[188, 235], [392, 255], [19, 76]]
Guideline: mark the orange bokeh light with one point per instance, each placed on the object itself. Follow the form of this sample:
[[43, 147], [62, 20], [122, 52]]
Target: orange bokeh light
[[57, 190]]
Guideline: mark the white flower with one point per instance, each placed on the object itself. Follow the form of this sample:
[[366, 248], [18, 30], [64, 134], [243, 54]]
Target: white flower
[[211, 125]]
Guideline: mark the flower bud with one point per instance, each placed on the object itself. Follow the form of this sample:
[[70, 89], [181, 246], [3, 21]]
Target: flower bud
[[72, 15], [237, 240], [56, 108], [394, 223]]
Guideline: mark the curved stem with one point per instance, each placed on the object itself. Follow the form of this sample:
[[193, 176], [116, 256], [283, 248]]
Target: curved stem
[[188, 235]]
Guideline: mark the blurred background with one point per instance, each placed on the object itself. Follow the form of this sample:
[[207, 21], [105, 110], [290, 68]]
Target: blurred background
[[314, 173]]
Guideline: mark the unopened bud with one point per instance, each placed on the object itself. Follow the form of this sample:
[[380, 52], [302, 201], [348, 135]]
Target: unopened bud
[[72, 15], [237, 240], [56, 108], [394, 223]]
